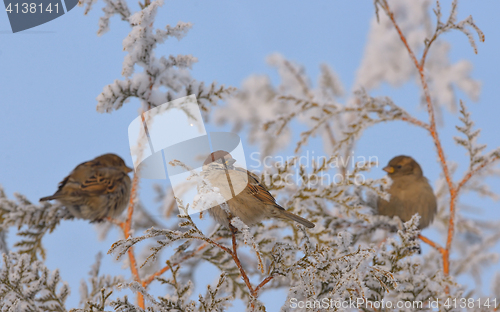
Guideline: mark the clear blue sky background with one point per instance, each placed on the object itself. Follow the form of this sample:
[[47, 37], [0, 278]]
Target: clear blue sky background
[[51, 75]]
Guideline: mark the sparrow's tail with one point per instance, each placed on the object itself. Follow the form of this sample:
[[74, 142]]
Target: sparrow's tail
[[51, 197], [288, 215]]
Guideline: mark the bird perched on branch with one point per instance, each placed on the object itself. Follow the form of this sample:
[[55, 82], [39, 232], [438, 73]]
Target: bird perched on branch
[[253, 203], [95, 189], [410, 192]]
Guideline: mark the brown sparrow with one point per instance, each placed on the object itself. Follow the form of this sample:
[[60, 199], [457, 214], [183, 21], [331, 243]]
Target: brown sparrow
[[95, 189], [410, 192], [253, 203]]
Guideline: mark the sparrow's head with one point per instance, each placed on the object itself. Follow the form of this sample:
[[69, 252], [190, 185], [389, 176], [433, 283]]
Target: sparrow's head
[[112, 160], [221, 157], [403, 166]]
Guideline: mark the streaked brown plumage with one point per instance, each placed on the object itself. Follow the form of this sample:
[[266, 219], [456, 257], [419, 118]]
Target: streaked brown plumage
[[410, 192], [95, 189], [253, 204]]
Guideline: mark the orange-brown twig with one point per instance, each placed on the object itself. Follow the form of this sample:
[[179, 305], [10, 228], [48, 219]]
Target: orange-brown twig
[[431, 127], [432, 244], [416, 122], [151, 278], [126, 226], [234, 254], [474, 171], [264, 282], [433, 131]]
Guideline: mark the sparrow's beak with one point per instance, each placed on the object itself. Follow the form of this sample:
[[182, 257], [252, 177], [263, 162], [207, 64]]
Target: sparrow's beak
[[127, 169], [230, 162], [389, 169]]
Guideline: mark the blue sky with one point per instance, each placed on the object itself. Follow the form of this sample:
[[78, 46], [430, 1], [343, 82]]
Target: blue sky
[[51, 75]]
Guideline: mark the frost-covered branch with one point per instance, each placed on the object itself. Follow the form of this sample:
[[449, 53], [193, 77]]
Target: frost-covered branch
[[35, 222], [29, 285], [101, 288]]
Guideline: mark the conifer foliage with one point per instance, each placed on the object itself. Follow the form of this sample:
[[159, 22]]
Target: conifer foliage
[[344, 257]]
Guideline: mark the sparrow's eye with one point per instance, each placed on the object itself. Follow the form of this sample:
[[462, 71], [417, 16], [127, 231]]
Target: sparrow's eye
[[399, 167]]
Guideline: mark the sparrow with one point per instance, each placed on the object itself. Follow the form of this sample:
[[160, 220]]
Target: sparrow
[[410, 192], [253, 203], [95, 189]]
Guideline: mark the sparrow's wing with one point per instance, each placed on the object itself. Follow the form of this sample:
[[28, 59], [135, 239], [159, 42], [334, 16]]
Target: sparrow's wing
[[258, 190], [70, 183], [89, 180], [78, 169], [101, 181]]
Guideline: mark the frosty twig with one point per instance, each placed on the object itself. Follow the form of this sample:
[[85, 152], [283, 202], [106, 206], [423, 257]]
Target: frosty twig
[[431, 127]]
